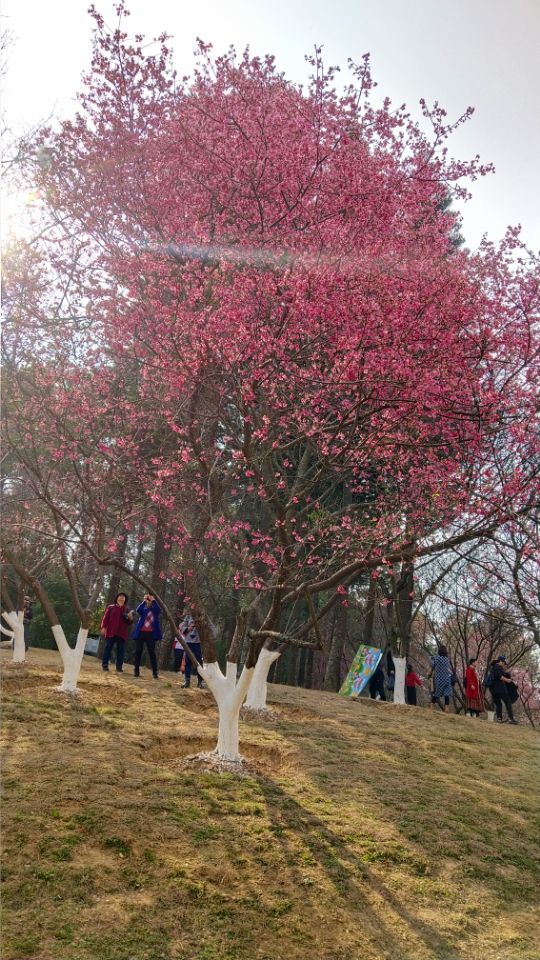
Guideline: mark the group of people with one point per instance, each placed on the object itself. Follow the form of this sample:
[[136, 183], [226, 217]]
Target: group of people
[[498, 681], [115, 627], [118, 620], [378, 683]]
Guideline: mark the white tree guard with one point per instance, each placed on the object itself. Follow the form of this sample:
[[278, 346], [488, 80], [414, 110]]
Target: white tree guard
[[16, 622], [400, 664], [229, 695], [258, 689], [71, 657]]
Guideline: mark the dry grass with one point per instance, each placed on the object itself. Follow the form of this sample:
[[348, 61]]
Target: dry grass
[[361, 831]]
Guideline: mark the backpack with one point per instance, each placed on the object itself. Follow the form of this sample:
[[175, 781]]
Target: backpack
[[488, 679]]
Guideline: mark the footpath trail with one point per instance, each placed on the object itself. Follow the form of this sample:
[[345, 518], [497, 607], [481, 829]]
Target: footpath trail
[[361, 830]]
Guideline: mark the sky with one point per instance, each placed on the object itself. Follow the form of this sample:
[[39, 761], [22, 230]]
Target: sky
[[482, 53]]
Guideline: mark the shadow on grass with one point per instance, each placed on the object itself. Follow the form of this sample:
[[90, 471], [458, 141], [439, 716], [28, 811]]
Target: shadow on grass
[[419, 789], [354, 881]]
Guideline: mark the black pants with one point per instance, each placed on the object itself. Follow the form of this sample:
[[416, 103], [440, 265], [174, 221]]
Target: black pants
[[178, 654], [411, 696], [500, 696], [377, 687], [197, 650], [142, 639], [120, 652]]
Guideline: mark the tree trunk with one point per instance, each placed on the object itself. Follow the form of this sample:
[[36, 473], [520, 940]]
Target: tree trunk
[[165, 648], [229, 695], [140, 547], [301, 673], [256, 698], [400, 664], [332, 675], [292, 672], [160, 557], [114, 582], [16, 624], [71, 657], [309, 669], [404, 607], [369, 613]]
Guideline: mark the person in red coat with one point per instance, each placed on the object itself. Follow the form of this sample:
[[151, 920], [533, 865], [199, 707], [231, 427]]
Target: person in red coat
[[473, 691], [412, 681], [115, 629]]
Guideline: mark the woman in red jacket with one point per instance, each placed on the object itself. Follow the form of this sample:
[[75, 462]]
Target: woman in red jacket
[[473, 691], [115, 629]]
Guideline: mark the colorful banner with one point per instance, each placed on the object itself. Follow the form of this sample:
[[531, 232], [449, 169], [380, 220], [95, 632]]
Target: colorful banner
[[362, 668]]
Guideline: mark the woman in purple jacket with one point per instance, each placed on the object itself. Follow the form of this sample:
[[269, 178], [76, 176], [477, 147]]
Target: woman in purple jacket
[[147, 631]]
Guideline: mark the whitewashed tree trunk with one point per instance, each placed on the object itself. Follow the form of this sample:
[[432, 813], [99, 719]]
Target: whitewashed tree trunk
[[400, 664], [258, 688], [229, 694], [71, 657], [16, 622]]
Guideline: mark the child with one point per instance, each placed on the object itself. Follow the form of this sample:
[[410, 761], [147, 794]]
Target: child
[[178, 653], [412, 681], [189, 632]]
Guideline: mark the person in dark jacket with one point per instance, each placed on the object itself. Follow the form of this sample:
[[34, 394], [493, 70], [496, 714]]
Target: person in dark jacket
[[390, 670], [115, 629], [147, 631], [376, 683], [28, 613], [501, 680]]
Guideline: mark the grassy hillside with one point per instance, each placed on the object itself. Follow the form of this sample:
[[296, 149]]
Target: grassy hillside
[[363, 830]]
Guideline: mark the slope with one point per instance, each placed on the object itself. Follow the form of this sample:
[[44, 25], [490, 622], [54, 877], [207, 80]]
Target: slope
[[360, 830]]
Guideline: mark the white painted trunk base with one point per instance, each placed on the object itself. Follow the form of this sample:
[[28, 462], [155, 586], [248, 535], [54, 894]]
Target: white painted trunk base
[[258, 689], [400, 664], [229, 695], [71, 657], [16, 623]]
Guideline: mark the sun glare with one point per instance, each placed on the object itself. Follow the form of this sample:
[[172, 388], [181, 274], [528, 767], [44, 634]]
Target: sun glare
[[20, 215]]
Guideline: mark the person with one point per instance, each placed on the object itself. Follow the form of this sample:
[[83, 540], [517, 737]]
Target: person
[[390, 670], [147, 631], [501, 682], [115, 629], [412, 681], [28, 613], [189, 632], [441, 672], [474, 702], [376, 683], [178, 654]]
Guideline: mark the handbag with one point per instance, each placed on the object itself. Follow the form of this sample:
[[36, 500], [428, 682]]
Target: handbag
[[513, 692]]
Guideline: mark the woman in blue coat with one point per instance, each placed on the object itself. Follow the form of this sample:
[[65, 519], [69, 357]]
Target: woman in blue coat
[[147, 631]]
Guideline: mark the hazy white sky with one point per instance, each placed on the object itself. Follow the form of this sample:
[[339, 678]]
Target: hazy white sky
[[460, 52]]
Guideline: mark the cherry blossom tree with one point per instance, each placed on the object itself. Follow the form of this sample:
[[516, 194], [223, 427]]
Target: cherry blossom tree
[[320, 384]]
